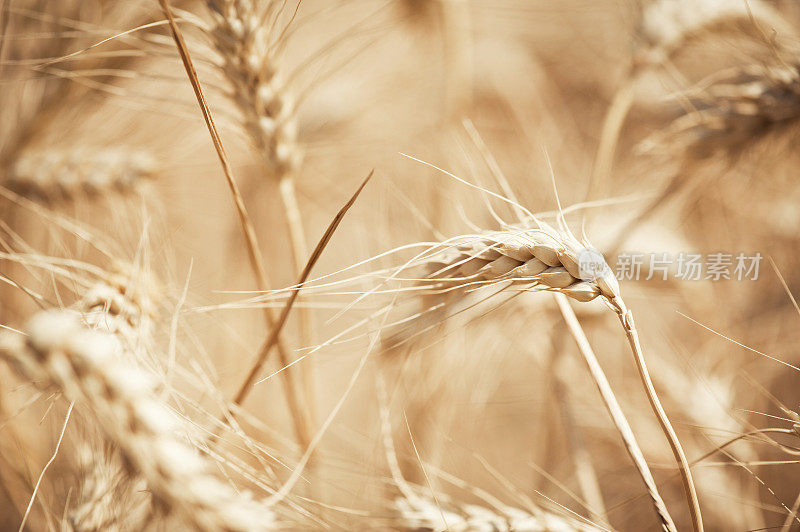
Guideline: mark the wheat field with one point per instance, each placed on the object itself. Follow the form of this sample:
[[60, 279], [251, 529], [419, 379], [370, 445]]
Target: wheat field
[[425, 265]]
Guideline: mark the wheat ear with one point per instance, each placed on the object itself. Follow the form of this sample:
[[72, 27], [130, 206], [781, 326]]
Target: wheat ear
[[726, 116], [664, 28], [667, 25], [67, 175], [423, 513], [85, 366], [732, 110], [107, 499], [540, 256]]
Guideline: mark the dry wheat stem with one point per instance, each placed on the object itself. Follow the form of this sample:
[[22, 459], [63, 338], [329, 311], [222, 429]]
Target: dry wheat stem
[[610, 132], [300, 415], [273, 336], [86, 367], [789, 521]]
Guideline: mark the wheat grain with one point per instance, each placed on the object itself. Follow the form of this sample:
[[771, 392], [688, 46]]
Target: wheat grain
[[554, 260], [85, 366], [123, 305], [247, 42]]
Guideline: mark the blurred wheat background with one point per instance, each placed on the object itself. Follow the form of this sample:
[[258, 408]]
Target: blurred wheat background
[[184, 347]]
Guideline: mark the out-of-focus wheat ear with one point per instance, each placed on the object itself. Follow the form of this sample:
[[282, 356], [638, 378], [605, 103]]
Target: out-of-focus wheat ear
[[666, 26], [87, 367], [109, 498], [417, 511], [731, 112], [442, 514], [248, 52], [726, 118], [66, 175]]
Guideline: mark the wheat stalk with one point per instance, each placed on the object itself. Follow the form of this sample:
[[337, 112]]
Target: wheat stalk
[[85, 366]]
